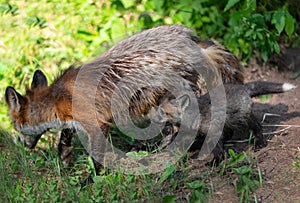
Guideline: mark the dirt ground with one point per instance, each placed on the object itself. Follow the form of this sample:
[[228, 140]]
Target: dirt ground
[[281, 180]]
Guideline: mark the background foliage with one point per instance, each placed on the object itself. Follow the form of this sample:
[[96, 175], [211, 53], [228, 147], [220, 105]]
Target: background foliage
[[53, 34]]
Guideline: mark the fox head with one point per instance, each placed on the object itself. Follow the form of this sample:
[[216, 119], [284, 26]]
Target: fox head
[[24, 110], [173, 110]]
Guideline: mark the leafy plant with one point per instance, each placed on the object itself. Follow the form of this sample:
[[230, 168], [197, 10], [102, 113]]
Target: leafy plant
[[246, 27], [199, 193], [248, 179], [251, 31], [245, 184]]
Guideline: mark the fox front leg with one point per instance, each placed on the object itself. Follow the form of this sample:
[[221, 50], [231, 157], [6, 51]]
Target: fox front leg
[[65, 150]]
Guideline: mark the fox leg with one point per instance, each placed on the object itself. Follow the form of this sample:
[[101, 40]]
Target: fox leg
[[64, 146], [97, 148], [218, 153], [256, 128]]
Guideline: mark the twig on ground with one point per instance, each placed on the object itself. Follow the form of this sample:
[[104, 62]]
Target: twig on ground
[[269, 114]]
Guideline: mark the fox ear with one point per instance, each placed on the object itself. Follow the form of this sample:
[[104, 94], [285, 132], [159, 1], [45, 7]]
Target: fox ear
[[184, 101], [39, 80], [13, 99]]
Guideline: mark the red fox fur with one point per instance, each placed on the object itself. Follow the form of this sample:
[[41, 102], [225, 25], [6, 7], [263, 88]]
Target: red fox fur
[[149, 58]]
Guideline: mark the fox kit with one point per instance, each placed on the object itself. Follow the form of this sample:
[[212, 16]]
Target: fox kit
[[149, 58], [239, 116]]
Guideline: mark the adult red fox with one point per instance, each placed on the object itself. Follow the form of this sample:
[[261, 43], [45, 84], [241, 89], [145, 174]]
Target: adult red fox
[[151, 59]]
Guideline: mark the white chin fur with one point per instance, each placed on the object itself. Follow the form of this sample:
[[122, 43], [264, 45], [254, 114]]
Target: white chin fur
[[288, 86]]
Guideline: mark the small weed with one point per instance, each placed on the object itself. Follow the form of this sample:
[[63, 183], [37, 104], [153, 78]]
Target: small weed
[[247, 179], [296, 168], [169, 199], [199, 192], [264, 98], [169, 170]]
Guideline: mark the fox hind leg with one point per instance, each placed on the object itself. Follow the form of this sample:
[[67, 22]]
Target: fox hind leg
[[255, 126]]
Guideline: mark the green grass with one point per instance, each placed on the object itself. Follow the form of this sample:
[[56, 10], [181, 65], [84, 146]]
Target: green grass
[[39, 176]]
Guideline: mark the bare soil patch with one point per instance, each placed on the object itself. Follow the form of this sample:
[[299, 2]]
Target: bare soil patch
[[282, 178]]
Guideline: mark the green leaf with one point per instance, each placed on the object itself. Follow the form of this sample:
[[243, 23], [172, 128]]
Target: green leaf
[[278, 19], [289, 25], [158, 4], [169, 198], [3, 67], [137, 154], [243, 170], [195, 185], [230, 4], [150, 5], [258, 19], [128, 3], [295, 75], [260, 36], [132, 154], [196, 6], [296, 164], [264, 98], [92, 166], [186, 16], [85, 35], [264, 55], [167, 173], [241, 157], [142, 153], [84, 32], [235, 19], [248, 7], [7, 8], [117, 27], [4, 8], [147, 19], [276, 47], [206, 19], [231, 153]]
